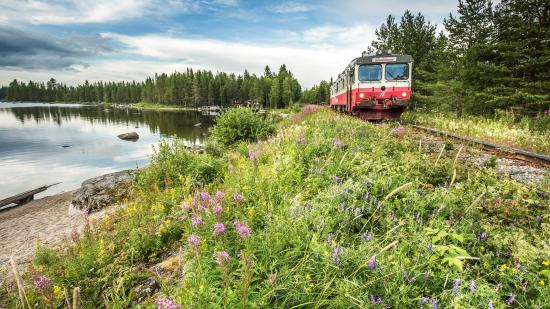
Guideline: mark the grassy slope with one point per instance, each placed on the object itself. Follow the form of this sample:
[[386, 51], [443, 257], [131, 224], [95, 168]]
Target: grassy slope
[[321, 199], [531, 134]]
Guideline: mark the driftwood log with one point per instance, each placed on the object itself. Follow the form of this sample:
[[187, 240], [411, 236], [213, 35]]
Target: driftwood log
[[24, 197]]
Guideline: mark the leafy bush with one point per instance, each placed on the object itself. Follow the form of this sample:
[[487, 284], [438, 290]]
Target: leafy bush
[[241, 124], [172, 162]]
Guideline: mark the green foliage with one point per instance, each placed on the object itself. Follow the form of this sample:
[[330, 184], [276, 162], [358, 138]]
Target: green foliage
[[173, 161], [241, 124], [188, 89]]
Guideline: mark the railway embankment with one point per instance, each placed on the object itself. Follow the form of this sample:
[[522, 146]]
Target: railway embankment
[[326, 210]]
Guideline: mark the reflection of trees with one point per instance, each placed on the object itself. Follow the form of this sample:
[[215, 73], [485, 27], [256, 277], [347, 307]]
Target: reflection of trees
[[166, 123]]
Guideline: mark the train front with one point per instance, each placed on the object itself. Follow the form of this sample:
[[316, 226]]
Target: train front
[[382, 89]]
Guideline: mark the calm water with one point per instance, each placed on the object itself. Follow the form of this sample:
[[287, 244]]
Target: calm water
[[32, 136]]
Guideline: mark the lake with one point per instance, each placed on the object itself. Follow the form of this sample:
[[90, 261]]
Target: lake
[[47, 143]]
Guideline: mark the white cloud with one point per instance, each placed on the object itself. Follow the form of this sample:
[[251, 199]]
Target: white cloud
[[312, 55], [61, 12], [291, 7]]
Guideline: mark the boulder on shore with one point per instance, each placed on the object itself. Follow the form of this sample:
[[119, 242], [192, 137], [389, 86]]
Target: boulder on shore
[[101, 191], [130, 136]]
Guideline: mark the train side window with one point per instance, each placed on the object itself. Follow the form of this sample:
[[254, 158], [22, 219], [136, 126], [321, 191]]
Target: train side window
[[370, 72], [397, 71]]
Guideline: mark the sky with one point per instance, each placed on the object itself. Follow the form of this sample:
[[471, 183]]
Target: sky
[[73, 40]]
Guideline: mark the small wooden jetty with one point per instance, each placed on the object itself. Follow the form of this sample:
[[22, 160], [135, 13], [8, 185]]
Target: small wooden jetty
[[22, 198]]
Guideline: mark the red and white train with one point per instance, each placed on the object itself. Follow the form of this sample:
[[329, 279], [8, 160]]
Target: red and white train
[[374, 87]]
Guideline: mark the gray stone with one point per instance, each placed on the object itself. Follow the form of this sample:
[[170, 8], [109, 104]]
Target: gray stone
[[144, 289], [101, 191], [130, 136]]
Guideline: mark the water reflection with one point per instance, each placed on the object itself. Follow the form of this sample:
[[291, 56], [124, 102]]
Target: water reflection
[[32, 137]]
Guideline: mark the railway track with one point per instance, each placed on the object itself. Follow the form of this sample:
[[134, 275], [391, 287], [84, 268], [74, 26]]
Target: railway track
[[509, 152]]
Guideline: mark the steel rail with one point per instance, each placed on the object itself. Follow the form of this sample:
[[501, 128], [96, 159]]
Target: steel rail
[[510, 151]]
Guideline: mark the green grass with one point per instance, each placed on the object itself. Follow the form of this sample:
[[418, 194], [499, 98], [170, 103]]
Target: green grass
[[532, 134], [322, 197]]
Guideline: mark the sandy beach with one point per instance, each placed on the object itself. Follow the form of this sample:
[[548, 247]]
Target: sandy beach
[[48, 220]]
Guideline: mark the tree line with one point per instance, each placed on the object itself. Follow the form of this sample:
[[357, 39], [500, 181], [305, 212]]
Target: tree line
[[491, 57], [188, 89]]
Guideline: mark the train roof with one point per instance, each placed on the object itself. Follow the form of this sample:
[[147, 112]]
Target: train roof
[[385, 58], [380, 58]]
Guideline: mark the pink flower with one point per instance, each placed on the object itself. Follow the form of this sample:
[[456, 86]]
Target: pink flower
[[238, 198], [217, 209], [222, 257], [42, 282], [184, 205], [337, 143], [242, 229], [253, 154], [165, 303], [196, 221], [205, 195], [219, 229], [194, 240], [219, 195]]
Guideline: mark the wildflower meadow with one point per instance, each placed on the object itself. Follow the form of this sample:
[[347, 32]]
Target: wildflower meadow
[[327, 211]]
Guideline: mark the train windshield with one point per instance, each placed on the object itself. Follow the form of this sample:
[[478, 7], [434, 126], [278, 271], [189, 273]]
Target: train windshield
[[370, 72], [398, 71]]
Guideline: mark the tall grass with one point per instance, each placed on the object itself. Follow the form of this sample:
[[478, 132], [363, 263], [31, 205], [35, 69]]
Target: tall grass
[[531, 134]]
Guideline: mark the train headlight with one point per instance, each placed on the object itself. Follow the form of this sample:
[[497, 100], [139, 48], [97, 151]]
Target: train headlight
[[404, 94], [361, 95]]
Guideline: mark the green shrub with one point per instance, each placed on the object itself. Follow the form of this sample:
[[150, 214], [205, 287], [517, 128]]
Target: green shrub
[[241, 124], [173, 161]]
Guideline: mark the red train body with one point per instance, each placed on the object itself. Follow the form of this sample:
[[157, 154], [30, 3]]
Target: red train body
[[374, 87]]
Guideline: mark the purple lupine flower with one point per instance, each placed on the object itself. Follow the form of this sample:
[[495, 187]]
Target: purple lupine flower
[[518, 266], [42, 282], [329, 239], [423, 301], [219, 229], [456, 285], [499, 286], [165, 303], [379, 300], [473, 286], [196, 221], [238, 198], [253, 154], [430, 247], [335, 251], [222, 257], [217, 210], [242, 229], [205, 196], [482, 236], [490, 305], [337, 179], [372, 299], [219, 195], [512, 299], [434, 304], [300, 140], [194, 240], [366, 236], [184, 205], [372, 263], [337, 143]]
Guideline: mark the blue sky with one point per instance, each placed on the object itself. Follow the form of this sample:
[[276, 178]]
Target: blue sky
[[74, 40]]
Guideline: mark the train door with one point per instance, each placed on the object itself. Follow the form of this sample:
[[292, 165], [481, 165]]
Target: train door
[[351, 80]]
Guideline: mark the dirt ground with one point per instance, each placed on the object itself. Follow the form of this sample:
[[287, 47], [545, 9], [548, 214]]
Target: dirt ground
[[48, 220]]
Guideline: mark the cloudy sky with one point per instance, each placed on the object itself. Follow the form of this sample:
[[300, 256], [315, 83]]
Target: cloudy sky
[[73, 40]]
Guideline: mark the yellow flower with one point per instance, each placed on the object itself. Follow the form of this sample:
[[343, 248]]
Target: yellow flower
[[57, 291], [326, 253], [546, 263], [541, 282], [503, 267]]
